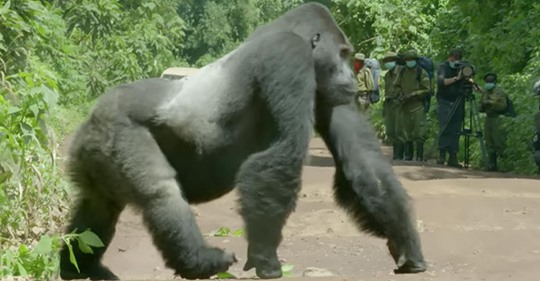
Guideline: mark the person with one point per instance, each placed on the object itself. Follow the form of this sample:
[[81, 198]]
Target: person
[[412, 84], [536, 138], [493, 103], [364, 82], [450, 107], [391, 106]]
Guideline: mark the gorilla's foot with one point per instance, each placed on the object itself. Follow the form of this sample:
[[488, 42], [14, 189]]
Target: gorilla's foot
[[265, 268], [407, 261], [206, 263], [97, 272]]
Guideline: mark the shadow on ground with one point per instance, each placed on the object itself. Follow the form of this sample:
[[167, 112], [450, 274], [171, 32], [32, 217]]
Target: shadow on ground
[[417, 171]]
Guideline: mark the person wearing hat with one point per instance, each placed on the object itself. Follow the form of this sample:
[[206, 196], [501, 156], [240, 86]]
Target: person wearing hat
[[392, 106], [412, 94], [493, 103], [364, 82]]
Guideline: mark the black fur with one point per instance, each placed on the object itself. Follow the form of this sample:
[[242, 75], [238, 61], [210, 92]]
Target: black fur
[[133, 150]]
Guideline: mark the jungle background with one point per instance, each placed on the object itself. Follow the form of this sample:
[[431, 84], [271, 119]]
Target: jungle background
[[57, 57]]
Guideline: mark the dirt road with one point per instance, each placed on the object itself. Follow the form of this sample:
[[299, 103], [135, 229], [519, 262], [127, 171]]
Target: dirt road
[[473, 228]]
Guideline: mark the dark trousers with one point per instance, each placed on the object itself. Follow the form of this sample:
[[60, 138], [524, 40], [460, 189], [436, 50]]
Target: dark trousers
[[450, 124]]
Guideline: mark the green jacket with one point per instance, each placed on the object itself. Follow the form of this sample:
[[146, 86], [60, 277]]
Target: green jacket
[[408, 86], [389, 87], [493, 102]]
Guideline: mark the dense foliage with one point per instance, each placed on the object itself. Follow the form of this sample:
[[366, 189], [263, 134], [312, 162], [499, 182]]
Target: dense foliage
[[57, 56]]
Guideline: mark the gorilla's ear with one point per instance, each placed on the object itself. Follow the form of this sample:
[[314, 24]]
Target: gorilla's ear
[[315, 39], [345, 50]]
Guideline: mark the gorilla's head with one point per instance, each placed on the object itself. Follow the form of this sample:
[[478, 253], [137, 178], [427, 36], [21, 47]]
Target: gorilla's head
[[331, 49]]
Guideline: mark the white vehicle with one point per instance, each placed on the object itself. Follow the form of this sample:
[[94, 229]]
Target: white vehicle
[[178, 72]]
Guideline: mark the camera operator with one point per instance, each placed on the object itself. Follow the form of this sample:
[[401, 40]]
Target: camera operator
[[451, 108]]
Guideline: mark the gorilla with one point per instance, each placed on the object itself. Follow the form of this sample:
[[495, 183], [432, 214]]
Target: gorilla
[[242, 121]]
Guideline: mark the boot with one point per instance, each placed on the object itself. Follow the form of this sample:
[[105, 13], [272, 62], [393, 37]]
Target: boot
[[420, 151], [442, 157], [409, 151], [452, 160], [398, 151], [492, 165]]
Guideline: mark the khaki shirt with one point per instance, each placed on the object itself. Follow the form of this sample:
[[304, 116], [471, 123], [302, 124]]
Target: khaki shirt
[[364, 81]]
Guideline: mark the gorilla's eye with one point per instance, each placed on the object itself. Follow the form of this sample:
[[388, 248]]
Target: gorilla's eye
[[315, 39]]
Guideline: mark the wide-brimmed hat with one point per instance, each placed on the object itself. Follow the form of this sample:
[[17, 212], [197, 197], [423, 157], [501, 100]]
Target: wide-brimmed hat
[[390, 56], [359, 56]]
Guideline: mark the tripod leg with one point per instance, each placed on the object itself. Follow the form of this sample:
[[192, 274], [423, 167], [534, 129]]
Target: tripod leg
[[476, 120]]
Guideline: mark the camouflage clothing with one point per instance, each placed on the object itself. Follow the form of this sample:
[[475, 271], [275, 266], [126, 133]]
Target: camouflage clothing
[[493, 103], [392, 107], [412, 93]]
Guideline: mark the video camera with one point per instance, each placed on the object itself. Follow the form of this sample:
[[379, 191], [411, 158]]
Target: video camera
[[468, 70]]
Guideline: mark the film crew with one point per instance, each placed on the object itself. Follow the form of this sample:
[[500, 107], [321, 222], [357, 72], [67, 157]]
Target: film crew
[[392, 106], [412, 92], [494, 104], [450, 107], [364, 83]]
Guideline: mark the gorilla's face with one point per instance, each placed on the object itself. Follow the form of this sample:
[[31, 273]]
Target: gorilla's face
[[335, 78]]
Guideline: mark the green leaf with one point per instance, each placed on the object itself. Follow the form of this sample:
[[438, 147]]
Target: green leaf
[[225, 275], [44, 245], [91, 239], [72, 258], [84, 247], [287, 267], [13, 109], [21, 269], [239, 232]]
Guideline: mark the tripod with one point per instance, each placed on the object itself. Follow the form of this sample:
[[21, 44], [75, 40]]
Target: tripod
[[474, 128]]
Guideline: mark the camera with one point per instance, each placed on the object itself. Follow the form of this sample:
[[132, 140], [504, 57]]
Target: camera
[[467, 69]]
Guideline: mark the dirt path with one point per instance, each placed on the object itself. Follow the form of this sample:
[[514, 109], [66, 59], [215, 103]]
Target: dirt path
[[472, 228]]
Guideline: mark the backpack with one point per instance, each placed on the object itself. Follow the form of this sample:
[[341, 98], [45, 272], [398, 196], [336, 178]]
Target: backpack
[[429, 67], [510, 111], [374, 66]]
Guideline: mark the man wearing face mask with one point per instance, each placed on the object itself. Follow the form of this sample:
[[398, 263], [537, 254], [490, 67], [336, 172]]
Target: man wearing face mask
[[364, 82], [450, 107], [493, 103], [392, 106], [412, 89]]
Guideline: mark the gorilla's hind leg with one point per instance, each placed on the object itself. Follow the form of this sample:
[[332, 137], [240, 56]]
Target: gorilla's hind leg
[[100, 216], [153, 188]]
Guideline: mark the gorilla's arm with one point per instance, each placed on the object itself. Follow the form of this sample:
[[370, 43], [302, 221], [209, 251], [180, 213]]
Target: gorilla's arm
[[366, 186]]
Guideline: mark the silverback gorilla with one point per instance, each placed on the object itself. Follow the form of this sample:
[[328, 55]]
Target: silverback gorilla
[[243, 121]]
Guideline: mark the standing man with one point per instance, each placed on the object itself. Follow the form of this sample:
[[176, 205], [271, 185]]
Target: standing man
[[413, 85], [364, 82], [493, 103], [451, 107], [392, 106]]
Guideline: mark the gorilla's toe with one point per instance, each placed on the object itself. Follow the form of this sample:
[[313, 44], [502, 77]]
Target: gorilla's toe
[[269, 272], [411, 267], [209, 262]]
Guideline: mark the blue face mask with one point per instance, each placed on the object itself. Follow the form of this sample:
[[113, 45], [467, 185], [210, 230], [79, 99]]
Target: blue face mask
[[390, 65], [489, 86], [411, 63], [453, 64]]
